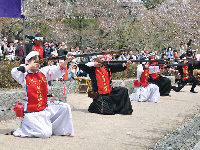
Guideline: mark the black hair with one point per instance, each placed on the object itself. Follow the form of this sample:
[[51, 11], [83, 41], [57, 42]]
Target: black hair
[[169, 48], [117, 56], [38, 35], [34, 57], [9, 41]]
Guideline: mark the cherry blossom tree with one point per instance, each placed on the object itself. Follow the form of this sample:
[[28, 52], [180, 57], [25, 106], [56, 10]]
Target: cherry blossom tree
[[114, 24]]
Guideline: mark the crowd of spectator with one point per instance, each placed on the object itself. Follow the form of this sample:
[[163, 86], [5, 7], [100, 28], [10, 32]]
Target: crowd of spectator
[[14, 50]]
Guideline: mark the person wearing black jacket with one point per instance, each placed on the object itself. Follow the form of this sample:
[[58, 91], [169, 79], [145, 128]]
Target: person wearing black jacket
[[19, 49], [110, 100], [36, 46], [186, 73]]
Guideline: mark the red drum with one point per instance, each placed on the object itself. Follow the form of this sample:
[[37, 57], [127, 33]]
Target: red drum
[[19, 109]]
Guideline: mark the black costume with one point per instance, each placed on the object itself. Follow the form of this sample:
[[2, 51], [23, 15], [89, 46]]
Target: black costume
[[116, 100], [186, 73], [163, 83]]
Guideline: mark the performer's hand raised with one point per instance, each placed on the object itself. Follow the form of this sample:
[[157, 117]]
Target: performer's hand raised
[[128, 62], [97, 64], [70, 58], [32, 66]]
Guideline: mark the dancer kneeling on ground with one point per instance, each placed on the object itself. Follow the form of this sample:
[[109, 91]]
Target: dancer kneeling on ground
[[186, 73], [144, 90], [41, 118], [107, 100], [163, 83]]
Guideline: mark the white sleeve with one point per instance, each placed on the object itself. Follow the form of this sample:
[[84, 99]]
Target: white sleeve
[[54, 70], [90, 64], [18, 75], [139, 71], [198, 57]]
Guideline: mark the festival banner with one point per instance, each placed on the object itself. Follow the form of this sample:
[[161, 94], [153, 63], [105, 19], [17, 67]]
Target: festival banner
[[10, 8]]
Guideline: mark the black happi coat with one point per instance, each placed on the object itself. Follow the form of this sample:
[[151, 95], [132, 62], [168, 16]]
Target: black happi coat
[[115, 102]]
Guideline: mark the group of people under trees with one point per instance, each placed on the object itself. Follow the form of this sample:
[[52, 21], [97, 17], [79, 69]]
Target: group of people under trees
[[43, 119]]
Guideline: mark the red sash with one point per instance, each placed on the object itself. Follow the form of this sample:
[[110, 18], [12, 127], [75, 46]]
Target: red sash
[[144, 77], [155, 75], [185, 72], [103, 80], [39, 49], [36, 92]]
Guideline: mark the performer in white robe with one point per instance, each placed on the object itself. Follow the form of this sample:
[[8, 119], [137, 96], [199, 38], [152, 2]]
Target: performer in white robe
[[144, 90], [41, 118]]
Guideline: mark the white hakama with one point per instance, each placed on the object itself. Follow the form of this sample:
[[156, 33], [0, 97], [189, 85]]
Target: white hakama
[[149, 93], [53, 120]]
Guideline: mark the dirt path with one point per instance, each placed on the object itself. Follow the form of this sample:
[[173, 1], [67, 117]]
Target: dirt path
[[149, 123]]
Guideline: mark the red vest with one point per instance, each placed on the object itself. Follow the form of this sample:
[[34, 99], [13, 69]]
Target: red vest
[[155, 75], [39, 49], [36, 92], [103, 80], [144, 77], [185, 72]]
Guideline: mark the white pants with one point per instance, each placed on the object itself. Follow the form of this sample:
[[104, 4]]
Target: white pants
[[53, 120], [149, 93]]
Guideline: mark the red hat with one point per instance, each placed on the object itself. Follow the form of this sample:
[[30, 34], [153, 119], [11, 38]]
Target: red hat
[[145, 49]]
